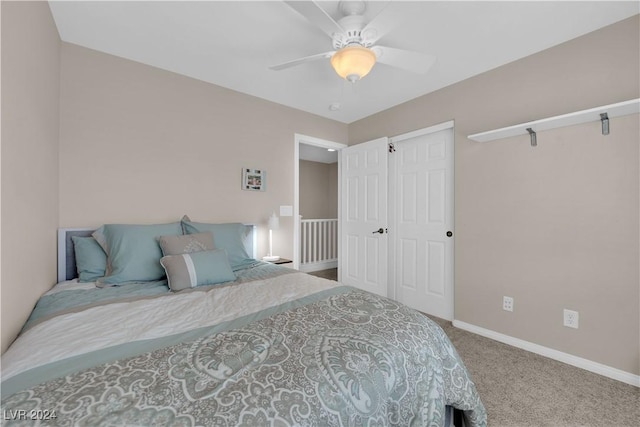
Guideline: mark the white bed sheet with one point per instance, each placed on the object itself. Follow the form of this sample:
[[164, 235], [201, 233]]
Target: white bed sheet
[[104, 326]]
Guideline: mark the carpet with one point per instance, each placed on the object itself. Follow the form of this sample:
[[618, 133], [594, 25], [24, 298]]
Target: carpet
[[519, 388]]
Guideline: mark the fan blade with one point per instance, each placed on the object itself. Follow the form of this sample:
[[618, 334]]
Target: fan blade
[[391, 15], [415, 62], [299, 61], [317, 16]]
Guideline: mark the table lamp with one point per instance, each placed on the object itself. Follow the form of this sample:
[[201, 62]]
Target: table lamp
[[274, 224]]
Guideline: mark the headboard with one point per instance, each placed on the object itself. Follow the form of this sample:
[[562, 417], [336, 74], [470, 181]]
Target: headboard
[[67, 256]]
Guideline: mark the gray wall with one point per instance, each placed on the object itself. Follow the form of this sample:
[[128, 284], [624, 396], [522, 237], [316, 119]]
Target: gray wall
[[30, 96], [554, 226]]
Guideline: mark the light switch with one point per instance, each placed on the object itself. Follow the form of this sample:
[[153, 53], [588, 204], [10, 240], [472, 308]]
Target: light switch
[[286, 210]]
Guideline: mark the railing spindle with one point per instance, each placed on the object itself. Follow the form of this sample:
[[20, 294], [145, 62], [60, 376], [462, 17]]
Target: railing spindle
[[319, 240]]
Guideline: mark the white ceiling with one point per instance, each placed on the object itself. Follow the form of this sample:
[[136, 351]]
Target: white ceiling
[[232, 43], [317, 154]]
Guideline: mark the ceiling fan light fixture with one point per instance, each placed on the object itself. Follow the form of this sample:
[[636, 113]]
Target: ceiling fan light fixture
[[353, 62]]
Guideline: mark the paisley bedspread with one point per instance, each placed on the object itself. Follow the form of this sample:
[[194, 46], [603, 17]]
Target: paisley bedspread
[[303, 351]]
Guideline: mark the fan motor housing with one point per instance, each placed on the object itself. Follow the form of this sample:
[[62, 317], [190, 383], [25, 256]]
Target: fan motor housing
[[353, 25]]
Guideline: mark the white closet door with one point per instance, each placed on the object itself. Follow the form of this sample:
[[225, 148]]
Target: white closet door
[[422, 188], [364, 181]]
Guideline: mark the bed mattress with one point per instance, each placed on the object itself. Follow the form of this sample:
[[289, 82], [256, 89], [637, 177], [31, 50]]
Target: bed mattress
[[275, 347]]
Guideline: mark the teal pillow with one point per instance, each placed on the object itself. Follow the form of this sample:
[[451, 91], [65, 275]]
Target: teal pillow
[[91, 260], [133, 252], [197, 269], [232, 237]]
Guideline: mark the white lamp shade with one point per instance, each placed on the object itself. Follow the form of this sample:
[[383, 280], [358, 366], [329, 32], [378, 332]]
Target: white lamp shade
[[274, 222], [353, 62]]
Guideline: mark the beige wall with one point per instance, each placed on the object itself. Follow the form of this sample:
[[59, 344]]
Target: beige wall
[[318, 190], [143, 145], [30, 94], [554, 226], [333, 188]]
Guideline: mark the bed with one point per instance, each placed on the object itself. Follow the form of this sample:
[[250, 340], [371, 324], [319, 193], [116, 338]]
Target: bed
[[272, 346]]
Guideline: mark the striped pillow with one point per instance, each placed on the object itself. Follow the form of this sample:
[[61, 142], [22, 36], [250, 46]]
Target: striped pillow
[[197, 269]]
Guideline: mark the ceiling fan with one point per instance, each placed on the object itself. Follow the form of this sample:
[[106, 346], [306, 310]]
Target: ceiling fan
[[354, 40]]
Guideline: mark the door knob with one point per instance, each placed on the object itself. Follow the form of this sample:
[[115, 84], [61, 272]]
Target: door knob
[[379, 230], [449, 234]]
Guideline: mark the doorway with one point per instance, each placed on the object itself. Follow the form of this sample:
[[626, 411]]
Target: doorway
[[316, 254]]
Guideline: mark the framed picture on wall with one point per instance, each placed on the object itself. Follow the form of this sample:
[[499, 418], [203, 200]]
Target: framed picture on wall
[[254, 179]]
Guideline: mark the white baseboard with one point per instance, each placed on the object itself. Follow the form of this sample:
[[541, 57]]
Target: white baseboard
[[317, 266], [579, 362]]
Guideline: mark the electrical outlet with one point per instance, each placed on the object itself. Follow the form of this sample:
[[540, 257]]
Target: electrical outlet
[[571, 318], [507, 303]]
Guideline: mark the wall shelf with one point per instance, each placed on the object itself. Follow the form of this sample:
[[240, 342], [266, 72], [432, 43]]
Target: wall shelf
[[591, 115]]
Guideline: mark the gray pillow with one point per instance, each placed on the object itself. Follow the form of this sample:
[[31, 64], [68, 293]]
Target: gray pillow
[[133, 252], [233, 237], [186, 244], [187, 271], [91, 260]]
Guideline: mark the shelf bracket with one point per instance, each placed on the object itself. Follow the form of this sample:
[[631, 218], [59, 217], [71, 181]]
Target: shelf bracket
[[532, 134], [604, 118]]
